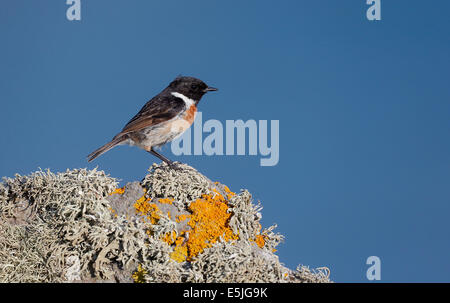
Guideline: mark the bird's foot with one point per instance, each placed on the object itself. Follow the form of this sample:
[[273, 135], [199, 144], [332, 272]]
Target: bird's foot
[[175, 165]]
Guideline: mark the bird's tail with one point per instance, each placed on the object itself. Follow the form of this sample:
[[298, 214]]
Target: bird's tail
[[105, 148]]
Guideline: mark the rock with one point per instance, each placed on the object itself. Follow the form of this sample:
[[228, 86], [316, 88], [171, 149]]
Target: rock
[[173, 226]]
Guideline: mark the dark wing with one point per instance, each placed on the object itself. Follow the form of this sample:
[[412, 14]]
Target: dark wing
[[159, 109]]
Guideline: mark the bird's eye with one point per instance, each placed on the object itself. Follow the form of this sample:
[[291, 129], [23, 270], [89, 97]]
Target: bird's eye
[[194, 86]]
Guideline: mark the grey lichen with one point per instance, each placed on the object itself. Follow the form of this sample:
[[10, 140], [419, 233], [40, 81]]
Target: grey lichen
[[183, 185], [68, 227]]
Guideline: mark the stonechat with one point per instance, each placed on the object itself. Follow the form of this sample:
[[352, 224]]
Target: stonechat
[[162, 119]]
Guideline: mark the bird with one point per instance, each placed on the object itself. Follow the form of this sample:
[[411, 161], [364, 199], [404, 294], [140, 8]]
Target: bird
[[162, 119]]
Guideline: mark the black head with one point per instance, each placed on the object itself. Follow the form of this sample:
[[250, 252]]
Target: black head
[[192, 88]]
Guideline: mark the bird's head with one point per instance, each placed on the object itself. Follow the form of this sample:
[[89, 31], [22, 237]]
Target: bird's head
[[191, 87]]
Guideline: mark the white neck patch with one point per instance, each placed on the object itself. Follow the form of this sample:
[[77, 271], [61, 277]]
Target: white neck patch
[[188, 101]]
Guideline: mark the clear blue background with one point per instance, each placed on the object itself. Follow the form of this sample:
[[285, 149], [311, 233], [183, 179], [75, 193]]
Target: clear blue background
[[363, 106]]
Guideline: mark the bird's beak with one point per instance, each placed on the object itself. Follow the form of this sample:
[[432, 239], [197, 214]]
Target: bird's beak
[[210, 89]]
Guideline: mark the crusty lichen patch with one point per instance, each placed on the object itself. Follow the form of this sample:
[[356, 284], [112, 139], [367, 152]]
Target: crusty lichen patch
[[118, 191], [147, 209], [139, 274], [174, 226], [209, 222]]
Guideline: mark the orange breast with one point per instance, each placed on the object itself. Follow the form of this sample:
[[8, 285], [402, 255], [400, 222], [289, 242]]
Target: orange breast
[[189, 115]]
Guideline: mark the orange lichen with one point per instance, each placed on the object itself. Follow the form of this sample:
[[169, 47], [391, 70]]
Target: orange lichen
[[170, 237], [181, 218], [149, 210], [118, 191], [229, 192], [180, 239], [209, 222], [259, 240], [179, 253], [154, 214], [166, 201]]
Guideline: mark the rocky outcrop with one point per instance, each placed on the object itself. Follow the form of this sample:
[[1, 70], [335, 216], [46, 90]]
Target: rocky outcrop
[[173, 226]]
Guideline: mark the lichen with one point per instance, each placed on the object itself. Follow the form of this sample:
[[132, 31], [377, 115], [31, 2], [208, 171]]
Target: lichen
[[139, 274], [209, 223], [166, 200], [118, 191], [259, 240], [174, 226], [149, 210]]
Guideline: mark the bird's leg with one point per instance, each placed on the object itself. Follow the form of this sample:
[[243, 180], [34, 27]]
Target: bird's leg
[[169, 163], [161, 157]]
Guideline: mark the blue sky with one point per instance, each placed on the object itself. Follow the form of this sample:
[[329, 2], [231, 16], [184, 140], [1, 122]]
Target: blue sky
[[363, 107]]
